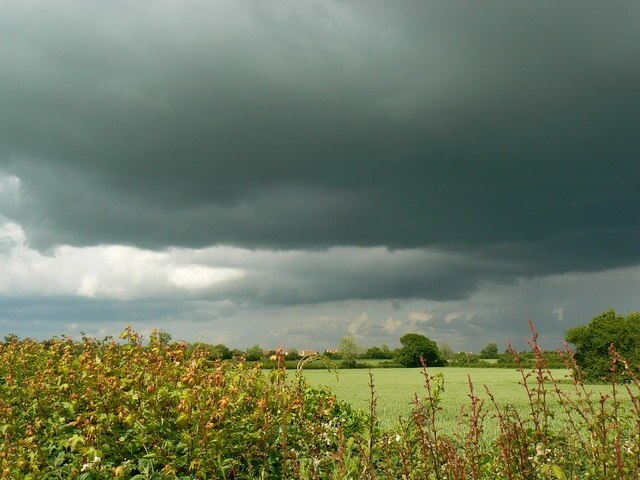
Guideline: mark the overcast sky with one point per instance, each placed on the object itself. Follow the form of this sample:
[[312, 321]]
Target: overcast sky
[[291, 172]]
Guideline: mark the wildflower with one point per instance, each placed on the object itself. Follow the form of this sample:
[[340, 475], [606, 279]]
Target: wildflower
[[541, 451], [89, 465]]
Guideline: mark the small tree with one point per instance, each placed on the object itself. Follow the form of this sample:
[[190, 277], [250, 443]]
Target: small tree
[[446, 350], [254, 353], [348, 351], [490, 351], [221, 352], [415, 346]]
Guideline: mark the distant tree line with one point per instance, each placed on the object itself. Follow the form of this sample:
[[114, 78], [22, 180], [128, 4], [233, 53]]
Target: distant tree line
[[415, 348], [609, 346]]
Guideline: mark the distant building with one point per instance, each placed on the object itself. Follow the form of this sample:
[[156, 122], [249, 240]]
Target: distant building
[[305, 353]]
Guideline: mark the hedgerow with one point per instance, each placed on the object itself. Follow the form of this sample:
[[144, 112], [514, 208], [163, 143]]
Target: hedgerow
[[99, 409]]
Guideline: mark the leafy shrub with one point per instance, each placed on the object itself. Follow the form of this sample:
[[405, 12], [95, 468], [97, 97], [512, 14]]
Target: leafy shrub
[[592, 343], [94, 410]]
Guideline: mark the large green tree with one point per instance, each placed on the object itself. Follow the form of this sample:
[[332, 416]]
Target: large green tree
[[415, 346], [592, 342]]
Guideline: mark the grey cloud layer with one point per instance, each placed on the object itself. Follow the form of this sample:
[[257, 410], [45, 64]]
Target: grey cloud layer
[[242, 276], [505, 132], [295, 277]]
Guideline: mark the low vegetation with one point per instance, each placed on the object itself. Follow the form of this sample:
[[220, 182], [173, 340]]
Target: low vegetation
[[161, 410], [103, 410]]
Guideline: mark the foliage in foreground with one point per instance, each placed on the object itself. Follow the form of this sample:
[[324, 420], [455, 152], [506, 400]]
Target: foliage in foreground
[[95, 410], [101, 410]]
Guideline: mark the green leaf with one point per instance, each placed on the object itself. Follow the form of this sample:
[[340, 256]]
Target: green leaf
[[555, 470]]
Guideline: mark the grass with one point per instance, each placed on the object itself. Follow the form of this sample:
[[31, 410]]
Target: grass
[[490, 361], [373, 361], [396, 389]]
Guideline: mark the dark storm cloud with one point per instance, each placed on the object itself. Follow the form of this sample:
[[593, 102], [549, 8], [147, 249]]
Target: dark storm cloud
[[505, 130], [291, 278]]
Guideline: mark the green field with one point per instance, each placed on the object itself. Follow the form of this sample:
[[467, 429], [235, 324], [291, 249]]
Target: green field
[[396, 389]]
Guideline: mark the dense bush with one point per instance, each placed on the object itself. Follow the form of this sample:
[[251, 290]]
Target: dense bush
[[529, 359], [593, 341], [94, 410]]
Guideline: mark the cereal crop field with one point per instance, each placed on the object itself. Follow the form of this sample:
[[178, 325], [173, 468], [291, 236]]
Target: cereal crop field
[[396, 389]]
